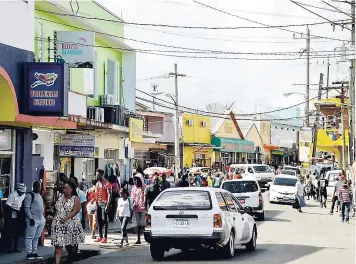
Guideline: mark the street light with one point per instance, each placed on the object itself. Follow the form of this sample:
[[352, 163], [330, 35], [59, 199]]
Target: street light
[[291, 93]]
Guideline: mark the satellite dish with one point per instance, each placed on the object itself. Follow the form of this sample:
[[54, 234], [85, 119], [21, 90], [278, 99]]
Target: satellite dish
[[216, 108]]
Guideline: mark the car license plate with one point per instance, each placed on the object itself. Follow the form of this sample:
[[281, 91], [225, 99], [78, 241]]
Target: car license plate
[[242, 201], [285, 198], [181, 223]]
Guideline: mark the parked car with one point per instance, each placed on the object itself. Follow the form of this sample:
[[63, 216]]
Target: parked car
[[248, 192], [198, 217], [282, 189], [289, 168], [331, 176], [262, 173]]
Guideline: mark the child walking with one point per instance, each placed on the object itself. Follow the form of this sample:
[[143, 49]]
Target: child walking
[[124, 213]]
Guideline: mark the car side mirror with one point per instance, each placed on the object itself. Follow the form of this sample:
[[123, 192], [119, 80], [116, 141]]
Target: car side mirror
[[263, 190], [248, 209]]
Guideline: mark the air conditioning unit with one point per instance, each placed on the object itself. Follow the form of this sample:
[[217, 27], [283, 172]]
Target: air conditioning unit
[[107, 99], [203, 124], [96, 113], [189, 122]]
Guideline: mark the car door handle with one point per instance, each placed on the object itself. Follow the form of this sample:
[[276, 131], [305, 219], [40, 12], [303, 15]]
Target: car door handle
[[233, 218]]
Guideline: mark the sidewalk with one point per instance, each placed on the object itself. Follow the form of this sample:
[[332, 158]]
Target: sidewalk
[[88, 249]]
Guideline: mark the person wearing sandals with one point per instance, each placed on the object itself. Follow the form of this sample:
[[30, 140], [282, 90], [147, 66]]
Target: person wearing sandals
[[124, 213]]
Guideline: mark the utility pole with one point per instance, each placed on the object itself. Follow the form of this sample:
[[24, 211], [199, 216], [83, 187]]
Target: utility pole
[[327, 78], [308, 80], [176, 138], [351, 106], [316, 123]]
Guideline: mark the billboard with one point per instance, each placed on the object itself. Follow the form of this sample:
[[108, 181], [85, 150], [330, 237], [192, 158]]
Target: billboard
[[135, 130], [74, 145], [76, 48], [46, 89], [305, 144]]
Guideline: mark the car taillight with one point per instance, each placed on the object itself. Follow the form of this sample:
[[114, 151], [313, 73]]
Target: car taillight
[[217, 220], [260, 199], [148, 221]]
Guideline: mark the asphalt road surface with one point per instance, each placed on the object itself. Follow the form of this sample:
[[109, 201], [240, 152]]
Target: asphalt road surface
[[285, 237]]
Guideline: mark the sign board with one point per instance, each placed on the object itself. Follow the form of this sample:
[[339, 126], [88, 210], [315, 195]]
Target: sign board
[[135, 130], [306, 134], [46, 88], [76, 48], [75, 145], [234, 145]]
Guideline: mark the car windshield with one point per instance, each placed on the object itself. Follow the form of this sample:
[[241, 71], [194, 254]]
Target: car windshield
[[332, 176], [261, 169], [184, 200], [284, 181], [240, 186], [288, 172]]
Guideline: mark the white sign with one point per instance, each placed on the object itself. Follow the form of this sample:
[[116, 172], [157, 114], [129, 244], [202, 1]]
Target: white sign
[[77, 146], [76, 48], [78, 140]]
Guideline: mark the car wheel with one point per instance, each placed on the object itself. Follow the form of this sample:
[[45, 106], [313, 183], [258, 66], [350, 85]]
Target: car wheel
[[157, 252], [251, 245], [228, 250], [261, 216]]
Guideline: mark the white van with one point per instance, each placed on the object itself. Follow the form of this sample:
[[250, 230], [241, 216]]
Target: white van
[[262, 173]]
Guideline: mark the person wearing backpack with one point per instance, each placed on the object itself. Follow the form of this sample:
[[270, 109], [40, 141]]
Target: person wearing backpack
[[33, 205], [14, 218]]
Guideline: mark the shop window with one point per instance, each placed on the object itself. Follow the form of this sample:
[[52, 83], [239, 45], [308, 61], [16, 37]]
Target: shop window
[[5, 175], [113, 87], [111, 154], [38, 149]]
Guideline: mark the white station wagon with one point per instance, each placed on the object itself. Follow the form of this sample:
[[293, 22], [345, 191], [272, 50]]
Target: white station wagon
[[193, 218]]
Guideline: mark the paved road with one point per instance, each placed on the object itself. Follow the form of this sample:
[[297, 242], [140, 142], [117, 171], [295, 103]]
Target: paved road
[[286, 237]]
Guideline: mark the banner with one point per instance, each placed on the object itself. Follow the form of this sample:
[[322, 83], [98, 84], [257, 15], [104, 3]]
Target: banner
[[46, 89], [74, 145], [136, 130], [76, 48]]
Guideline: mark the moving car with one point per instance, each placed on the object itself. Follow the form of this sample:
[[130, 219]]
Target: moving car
[[262, 173], [160, 170], [288, 173], [282, 189], [248, 192], [203, 170], [198, 217], [289, 168]]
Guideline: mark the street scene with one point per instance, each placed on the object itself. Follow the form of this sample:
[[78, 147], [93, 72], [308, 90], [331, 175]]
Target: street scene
[[144, 131]]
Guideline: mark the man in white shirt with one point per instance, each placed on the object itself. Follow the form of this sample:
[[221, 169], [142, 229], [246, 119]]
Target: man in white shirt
[[299, 193], [15, 227], [83, 202]]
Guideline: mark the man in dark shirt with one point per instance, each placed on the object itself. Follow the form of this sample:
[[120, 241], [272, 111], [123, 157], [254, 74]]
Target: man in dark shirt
[[165, 184], [322, 184], [152, 191]]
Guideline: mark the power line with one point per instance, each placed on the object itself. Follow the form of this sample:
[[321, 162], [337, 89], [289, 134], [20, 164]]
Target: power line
[[184, 27], [222, 116], [213, 52], [249, 114], [259, 23]]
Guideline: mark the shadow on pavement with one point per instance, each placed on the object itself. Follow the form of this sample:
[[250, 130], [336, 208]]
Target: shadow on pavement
[[277, 220], [269, 253]]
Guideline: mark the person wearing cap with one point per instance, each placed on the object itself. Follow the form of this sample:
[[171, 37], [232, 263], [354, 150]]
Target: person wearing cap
[[15, 223]]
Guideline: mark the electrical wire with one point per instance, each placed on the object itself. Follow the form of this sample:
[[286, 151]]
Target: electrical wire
[[259, 23], [214, 52], [249, 114], [223, 116], [184, 27]]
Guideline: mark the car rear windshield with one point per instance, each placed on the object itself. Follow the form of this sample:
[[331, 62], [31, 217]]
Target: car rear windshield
[[184, 200], [262, 169], [288, 172], [240, 186], [285, 181]]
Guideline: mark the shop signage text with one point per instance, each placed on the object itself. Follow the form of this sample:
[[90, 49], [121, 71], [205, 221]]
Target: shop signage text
[[75, 145], [46, 89], [233, 145], [136, 130], [76, 48]]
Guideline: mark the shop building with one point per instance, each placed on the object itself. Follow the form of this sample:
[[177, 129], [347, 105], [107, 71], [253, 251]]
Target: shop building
[[197, 147], [252, 134], [157, 151], [229, 142]]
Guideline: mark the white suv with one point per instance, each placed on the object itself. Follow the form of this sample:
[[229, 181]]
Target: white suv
[[193, 217]]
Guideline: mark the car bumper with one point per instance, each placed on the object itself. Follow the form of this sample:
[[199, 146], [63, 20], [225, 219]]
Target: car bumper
[[175, 241], [281, 198]]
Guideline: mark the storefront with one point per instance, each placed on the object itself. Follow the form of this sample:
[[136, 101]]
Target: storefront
[[231, 150], [7, 160], [198, 155]]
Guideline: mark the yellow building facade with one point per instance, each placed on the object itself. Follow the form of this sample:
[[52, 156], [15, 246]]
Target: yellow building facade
[[197, 149]]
